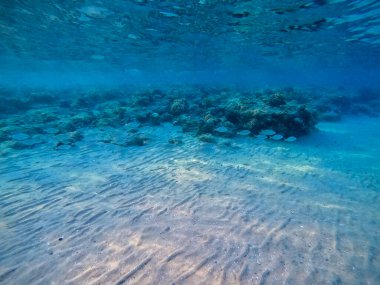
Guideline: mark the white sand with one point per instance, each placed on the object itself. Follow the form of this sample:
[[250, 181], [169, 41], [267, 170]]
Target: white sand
[[256, 212]]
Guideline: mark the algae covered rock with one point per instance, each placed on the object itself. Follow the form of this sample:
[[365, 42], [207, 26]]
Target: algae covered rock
[[276, 100], [233, 110], [208, 124], [82, 119], [178, 107], [137, 140], [13, 105], [210, 113], [76, 136], [207, 138], [155, 118]]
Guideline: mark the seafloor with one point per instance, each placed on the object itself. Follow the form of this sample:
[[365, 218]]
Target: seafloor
[[99, 190]]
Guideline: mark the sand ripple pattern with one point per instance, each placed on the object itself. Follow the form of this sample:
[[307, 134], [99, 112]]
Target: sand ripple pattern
[[191, 214]]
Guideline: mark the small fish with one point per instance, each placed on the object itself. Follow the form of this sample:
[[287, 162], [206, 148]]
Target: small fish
[[221, 130], [169, 14], [95, 12], [290, 139], [244, 133], [20, 136], [277, 137], [268, 132]]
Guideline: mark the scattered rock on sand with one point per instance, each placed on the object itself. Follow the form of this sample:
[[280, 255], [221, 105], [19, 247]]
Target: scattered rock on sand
[[137, 140], [207, 138]]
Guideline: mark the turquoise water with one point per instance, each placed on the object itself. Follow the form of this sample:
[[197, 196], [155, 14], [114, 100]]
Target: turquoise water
[[189, 142]]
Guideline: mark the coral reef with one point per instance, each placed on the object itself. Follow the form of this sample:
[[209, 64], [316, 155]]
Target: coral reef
[[34, 117]]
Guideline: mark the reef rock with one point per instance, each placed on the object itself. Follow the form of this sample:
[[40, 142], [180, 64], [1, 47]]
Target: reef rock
[[178, 107]]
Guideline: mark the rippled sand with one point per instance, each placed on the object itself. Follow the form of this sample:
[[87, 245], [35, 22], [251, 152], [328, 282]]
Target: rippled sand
[[252, 213]]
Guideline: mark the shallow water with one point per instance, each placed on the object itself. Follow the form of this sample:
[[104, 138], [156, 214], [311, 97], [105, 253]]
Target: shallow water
[[256, 212], [190, 142]]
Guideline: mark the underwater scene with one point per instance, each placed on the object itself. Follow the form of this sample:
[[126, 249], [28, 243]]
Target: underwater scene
[[190, 142]]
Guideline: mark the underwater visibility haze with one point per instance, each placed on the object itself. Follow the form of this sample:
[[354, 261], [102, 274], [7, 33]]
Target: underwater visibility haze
[[190, 142]]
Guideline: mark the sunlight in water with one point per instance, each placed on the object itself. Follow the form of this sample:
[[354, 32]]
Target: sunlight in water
[[190, 142]]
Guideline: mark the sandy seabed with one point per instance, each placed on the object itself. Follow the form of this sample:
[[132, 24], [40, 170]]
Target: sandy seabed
[[253, 212]]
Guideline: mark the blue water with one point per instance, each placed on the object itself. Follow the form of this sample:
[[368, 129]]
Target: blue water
[[189, 142]]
